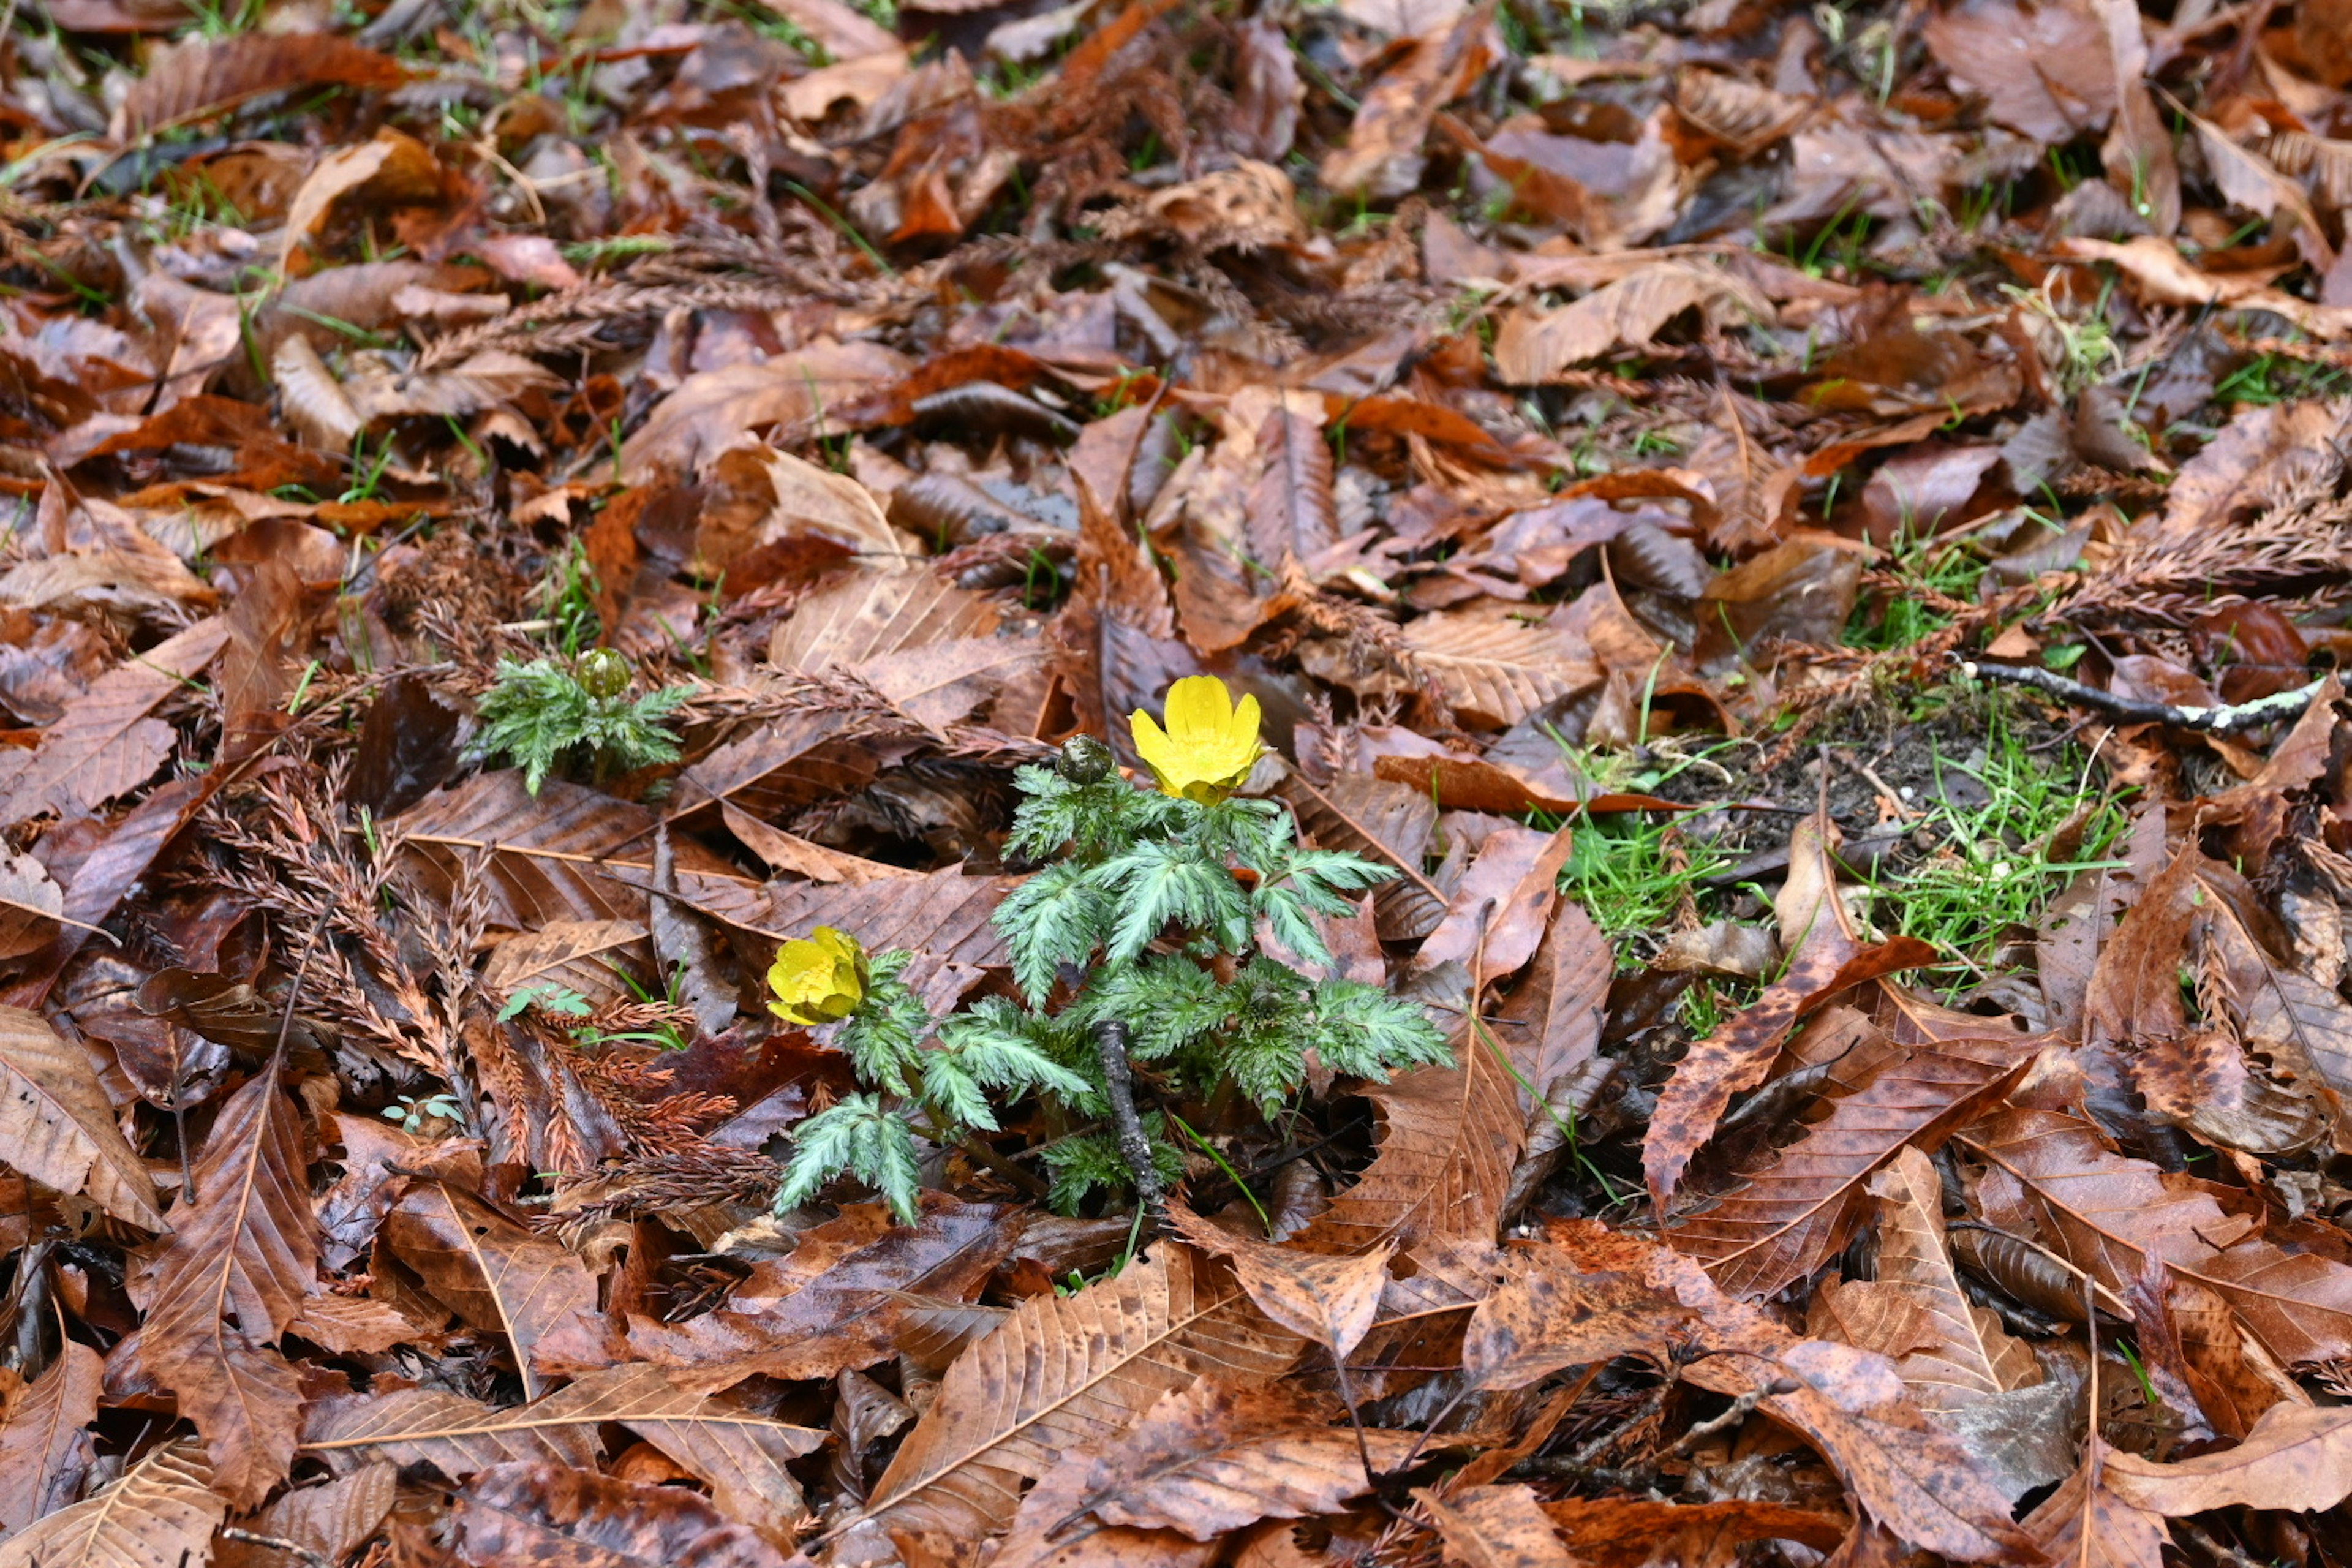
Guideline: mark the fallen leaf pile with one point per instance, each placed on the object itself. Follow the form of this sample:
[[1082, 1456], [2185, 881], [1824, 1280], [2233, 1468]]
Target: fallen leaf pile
[[1814, 541]]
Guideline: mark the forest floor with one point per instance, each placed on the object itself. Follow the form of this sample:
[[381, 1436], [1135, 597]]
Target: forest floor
[[1267, 784]]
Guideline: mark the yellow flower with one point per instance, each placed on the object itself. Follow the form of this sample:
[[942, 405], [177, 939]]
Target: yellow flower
[[818, 980], [1210, 745]]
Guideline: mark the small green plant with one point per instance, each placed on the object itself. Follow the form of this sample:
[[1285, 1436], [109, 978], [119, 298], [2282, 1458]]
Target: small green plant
[[549, 712], [412, 1114], [1147, 919], [561, 1001]]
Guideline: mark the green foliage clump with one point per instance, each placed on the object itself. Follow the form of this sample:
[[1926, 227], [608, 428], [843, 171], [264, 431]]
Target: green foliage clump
[[545, 714], [1188, 922]]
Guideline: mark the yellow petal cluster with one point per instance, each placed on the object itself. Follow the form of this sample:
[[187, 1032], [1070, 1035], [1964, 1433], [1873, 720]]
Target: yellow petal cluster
[[1210, 744], [819, 979]]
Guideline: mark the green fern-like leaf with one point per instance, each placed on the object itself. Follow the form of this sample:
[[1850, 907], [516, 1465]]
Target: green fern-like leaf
[[1167, 1003], [1083, 1165], [976, 1053], [860, 1137], [1155, 883], [539, 713], [1058, 916], [1364, 1032], [884, 1036]]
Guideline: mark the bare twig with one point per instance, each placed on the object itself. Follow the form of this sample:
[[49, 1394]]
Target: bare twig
[[2226, 720], [1118, 1080]]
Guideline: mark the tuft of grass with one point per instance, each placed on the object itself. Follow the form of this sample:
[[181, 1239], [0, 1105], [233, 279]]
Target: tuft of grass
[[1993, 873], [2270, 378], [1630, 872], [1899, 620]]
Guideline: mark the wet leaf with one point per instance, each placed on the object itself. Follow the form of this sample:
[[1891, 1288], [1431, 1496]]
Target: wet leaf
[[161, 1513]]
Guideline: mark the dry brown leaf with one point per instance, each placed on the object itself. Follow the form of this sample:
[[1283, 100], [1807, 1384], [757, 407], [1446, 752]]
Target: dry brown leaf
[[1958, 1353], [710, 409], [1212, 1457], [161, 1513], [1383, 158], [740, 1455], [930, 647], [1914, 1479], [1825, 957], [799, 857], [1331, 1300], [493, 1273], [1536, 347], [392, 168], [58, 1127], [106, 745], [579, 955], [2137, 152], [1494, 667], [233, 1274], [1498, 915], [1626, 1532], [1495, 1527], [945, 914], [1065, 1374], [1795, 1206], [1549, 1314], [331, 1519], [314, 400], [490, 378], [2298, 1457], [2106, 1213], [206, 76], [1450, 1136], [2086, 1524], [568, 854], [786, 1322], [531, 1511], [45, 1448], [1384, 821]]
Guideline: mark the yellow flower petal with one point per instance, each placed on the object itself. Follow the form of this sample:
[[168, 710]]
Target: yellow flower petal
[[1209, 746], [817, 979]]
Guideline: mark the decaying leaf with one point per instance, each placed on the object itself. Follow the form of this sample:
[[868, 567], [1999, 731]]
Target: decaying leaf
[[160, 1513], [230, 1280], [1067, 1373]]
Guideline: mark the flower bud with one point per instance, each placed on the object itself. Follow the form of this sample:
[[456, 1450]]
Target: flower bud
[[605, 672], [1085, 760]]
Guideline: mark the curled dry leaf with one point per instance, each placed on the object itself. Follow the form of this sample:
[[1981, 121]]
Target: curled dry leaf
[[531, 1512], [1549, 1314], [2298, 1457], [1331, 1300], [1535, 347], [785, 1322]]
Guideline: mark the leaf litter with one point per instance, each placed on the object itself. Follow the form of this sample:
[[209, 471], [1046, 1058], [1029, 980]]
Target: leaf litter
[[1746, 963]]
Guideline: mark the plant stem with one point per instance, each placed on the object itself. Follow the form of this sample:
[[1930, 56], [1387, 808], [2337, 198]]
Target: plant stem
[[1118, 1082]]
